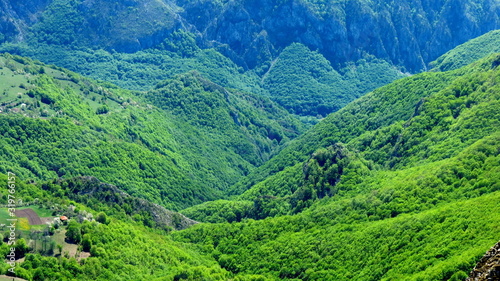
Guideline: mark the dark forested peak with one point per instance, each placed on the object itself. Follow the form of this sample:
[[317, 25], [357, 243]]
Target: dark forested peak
[[405, 32], [409, 33]]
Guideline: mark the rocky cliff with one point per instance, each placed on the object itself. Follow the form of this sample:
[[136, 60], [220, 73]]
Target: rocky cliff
[[17, 16], [83, 189], [488, 268], [410, 33]]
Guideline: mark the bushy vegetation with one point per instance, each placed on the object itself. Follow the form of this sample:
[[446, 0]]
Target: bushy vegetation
[[118, 25], [305, 83], [431, 245], [391, 225], [403, 199], [469, 52], [402, 184], [62, 125], [417, 120]]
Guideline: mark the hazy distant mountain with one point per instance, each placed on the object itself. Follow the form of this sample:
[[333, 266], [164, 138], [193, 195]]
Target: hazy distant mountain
[[407, 33]]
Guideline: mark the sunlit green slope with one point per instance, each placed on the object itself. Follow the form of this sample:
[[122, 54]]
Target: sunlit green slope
[[57, 124], [469, 52], [402, 184]]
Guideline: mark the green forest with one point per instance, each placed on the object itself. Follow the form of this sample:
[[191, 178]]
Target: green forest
[[78, 127], [239, 140], [419, 185]]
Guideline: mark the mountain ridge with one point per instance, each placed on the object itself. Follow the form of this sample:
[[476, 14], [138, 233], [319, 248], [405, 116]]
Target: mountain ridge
[[402, 183], [252, 37], [50, 115]]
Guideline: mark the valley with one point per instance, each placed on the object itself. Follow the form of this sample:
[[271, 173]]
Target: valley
[[250, 140]]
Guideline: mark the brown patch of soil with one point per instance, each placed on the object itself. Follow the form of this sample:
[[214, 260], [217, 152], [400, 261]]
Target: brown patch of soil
[[33, 218]]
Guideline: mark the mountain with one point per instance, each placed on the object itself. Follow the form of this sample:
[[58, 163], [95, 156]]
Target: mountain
[[250, 140], [183, 143], [408, 33], [469, 52], [382, 130], [401, 184], [407, 175], [247, 45]]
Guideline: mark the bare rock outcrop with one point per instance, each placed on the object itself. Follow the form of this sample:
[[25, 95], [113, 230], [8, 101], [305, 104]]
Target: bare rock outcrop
[[488, 268]]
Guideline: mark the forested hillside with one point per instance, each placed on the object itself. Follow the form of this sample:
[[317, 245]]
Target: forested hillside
[[305, 83], [390, 104], [410, 195], [249, 140], [469, 52], [173, 150], [247, 45], [121, 241], [408, 33]]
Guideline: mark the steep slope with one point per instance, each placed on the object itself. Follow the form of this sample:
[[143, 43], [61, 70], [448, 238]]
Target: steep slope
[[469, 52], [416, 120], [247, 45], [316, 90], [404, 190], [16, 18], [402, 184], [58, 124], [408, 33], [91, 192], [440, 244]]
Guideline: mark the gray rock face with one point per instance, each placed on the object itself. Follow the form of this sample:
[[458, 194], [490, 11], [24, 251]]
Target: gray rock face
[[488, 268], [409, 33], [17, 15]]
